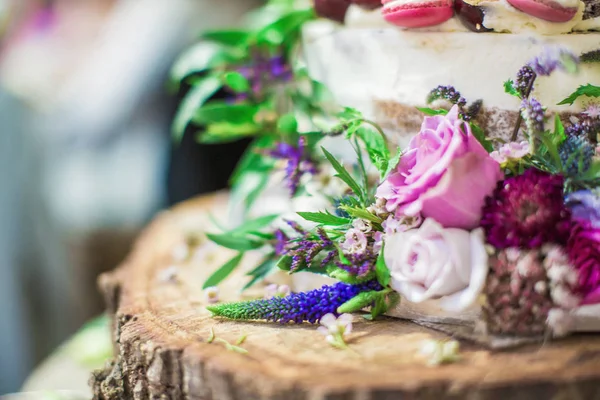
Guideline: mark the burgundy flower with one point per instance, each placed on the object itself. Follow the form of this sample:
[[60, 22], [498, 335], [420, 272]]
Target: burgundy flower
[[584, 252], [527, 211]]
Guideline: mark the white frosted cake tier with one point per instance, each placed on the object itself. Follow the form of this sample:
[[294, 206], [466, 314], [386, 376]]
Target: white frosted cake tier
[[386, 72]]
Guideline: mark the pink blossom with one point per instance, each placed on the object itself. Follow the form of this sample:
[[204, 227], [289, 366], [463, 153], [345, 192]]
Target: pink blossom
[[592, 111], [355, 243], [511, 151], [445, 174], [395, 224]]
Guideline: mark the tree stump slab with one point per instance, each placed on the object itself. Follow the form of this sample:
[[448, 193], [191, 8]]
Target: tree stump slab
[[161, 330]]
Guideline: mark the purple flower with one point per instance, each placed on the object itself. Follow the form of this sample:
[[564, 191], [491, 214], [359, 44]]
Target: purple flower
[[305, 249], [447, 93], [527, 211], [298, 161], [296, 307], [281, 241], [525, 78], [585, 206], [592, 111], [533, 115], [554, 58]]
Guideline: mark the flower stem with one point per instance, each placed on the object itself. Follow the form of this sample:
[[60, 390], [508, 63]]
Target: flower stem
[[520, 117]]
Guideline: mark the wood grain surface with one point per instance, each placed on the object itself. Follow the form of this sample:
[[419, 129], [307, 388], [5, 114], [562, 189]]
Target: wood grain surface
[[161, 329]]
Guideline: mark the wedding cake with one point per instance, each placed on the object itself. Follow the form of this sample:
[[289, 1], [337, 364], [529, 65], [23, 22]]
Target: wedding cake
[[435, 161]]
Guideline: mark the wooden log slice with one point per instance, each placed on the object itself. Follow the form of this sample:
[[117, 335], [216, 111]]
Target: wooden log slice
[[161, 331]]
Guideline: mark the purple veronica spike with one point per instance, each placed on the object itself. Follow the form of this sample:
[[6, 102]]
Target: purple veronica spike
[[553, 58], [297, 307], [533, 115]]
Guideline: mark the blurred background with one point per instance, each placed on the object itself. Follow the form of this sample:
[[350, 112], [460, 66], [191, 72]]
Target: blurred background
[[85, 153]]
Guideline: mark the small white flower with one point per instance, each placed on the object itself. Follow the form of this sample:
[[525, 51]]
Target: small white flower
[[441, 352], [355, 243], [336, 329], [275, 290], [180, 252], [560, 322], [362, 225], [212, 294]]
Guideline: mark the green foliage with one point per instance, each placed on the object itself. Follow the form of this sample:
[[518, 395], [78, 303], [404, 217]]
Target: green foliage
[[509, 87], [360, 301], [223, 272], [266, 267], [325, 218], [345, 276], [195, 98], [479, 134], [361, 213], [287, 124], [233, 242], [236, 81], [198, 58], [431, 112], [584, 90], [381, 270], [231, 37], [345, 176]]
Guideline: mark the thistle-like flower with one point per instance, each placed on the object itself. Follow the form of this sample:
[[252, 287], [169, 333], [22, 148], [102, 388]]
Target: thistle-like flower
[[576, 154], [524, 81], [527, 211], [297, 307]]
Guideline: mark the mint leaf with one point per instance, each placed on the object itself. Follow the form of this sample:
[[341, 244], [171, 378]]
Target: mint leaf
[[224, 132], [361, 213], [254, 225], [509, 87], [203, 90], [196, 59], [381, 270], [325, 218], [232, 38], [220, 111], [584, 90], [237, 82], [287, 124], [285, 27], [261, 271], [234, 242], [431, 111], [343, 174], [223, 272]]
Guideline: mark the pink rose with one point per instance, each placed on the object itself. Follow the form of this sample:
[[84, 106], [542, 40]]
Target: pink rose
[[445, 174]]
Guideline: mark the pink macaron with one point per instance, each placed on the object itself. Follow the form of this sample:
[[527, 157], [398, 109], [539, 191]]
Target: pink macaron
[[545, 9], [417, 14]]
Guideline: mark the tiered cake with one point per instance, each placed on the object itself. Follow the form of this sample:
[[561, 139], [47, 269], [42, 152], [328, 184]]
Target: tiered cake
[[436, 161]]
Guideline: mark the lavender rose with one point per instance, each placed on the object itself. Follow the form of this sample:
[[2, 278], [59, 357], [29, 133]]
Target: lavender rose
[[445, 174], [433, 262]]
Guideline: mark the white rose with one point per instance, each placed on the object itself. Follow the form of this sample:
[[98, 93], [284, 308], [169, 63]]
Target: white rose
[[433, 262]]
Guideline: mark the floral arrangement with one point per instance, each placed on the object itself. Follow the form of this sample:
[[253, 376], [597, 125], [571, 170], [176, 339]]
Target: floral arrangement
[[512, 229]]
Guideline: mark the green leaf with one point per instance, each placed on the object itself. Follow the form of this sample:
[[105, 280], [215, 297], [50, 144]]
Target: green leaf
[[393, 162], [381, 270], [232, 38], [198, 58], [285, 263], [509, 87], [350, 113], [253, 225], [479, 134], [236, 81], [285, 27], [345, 276], [223, 272], [379, 308], [431, 111], [376, 147], [361, 213], [219, 111], [252, 160], [584, 90], [343, 174], [360, 301], [225, 132], [261, 271], [203, 90], [287, 124], [234, 242], [559, 130], [325, 218]]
